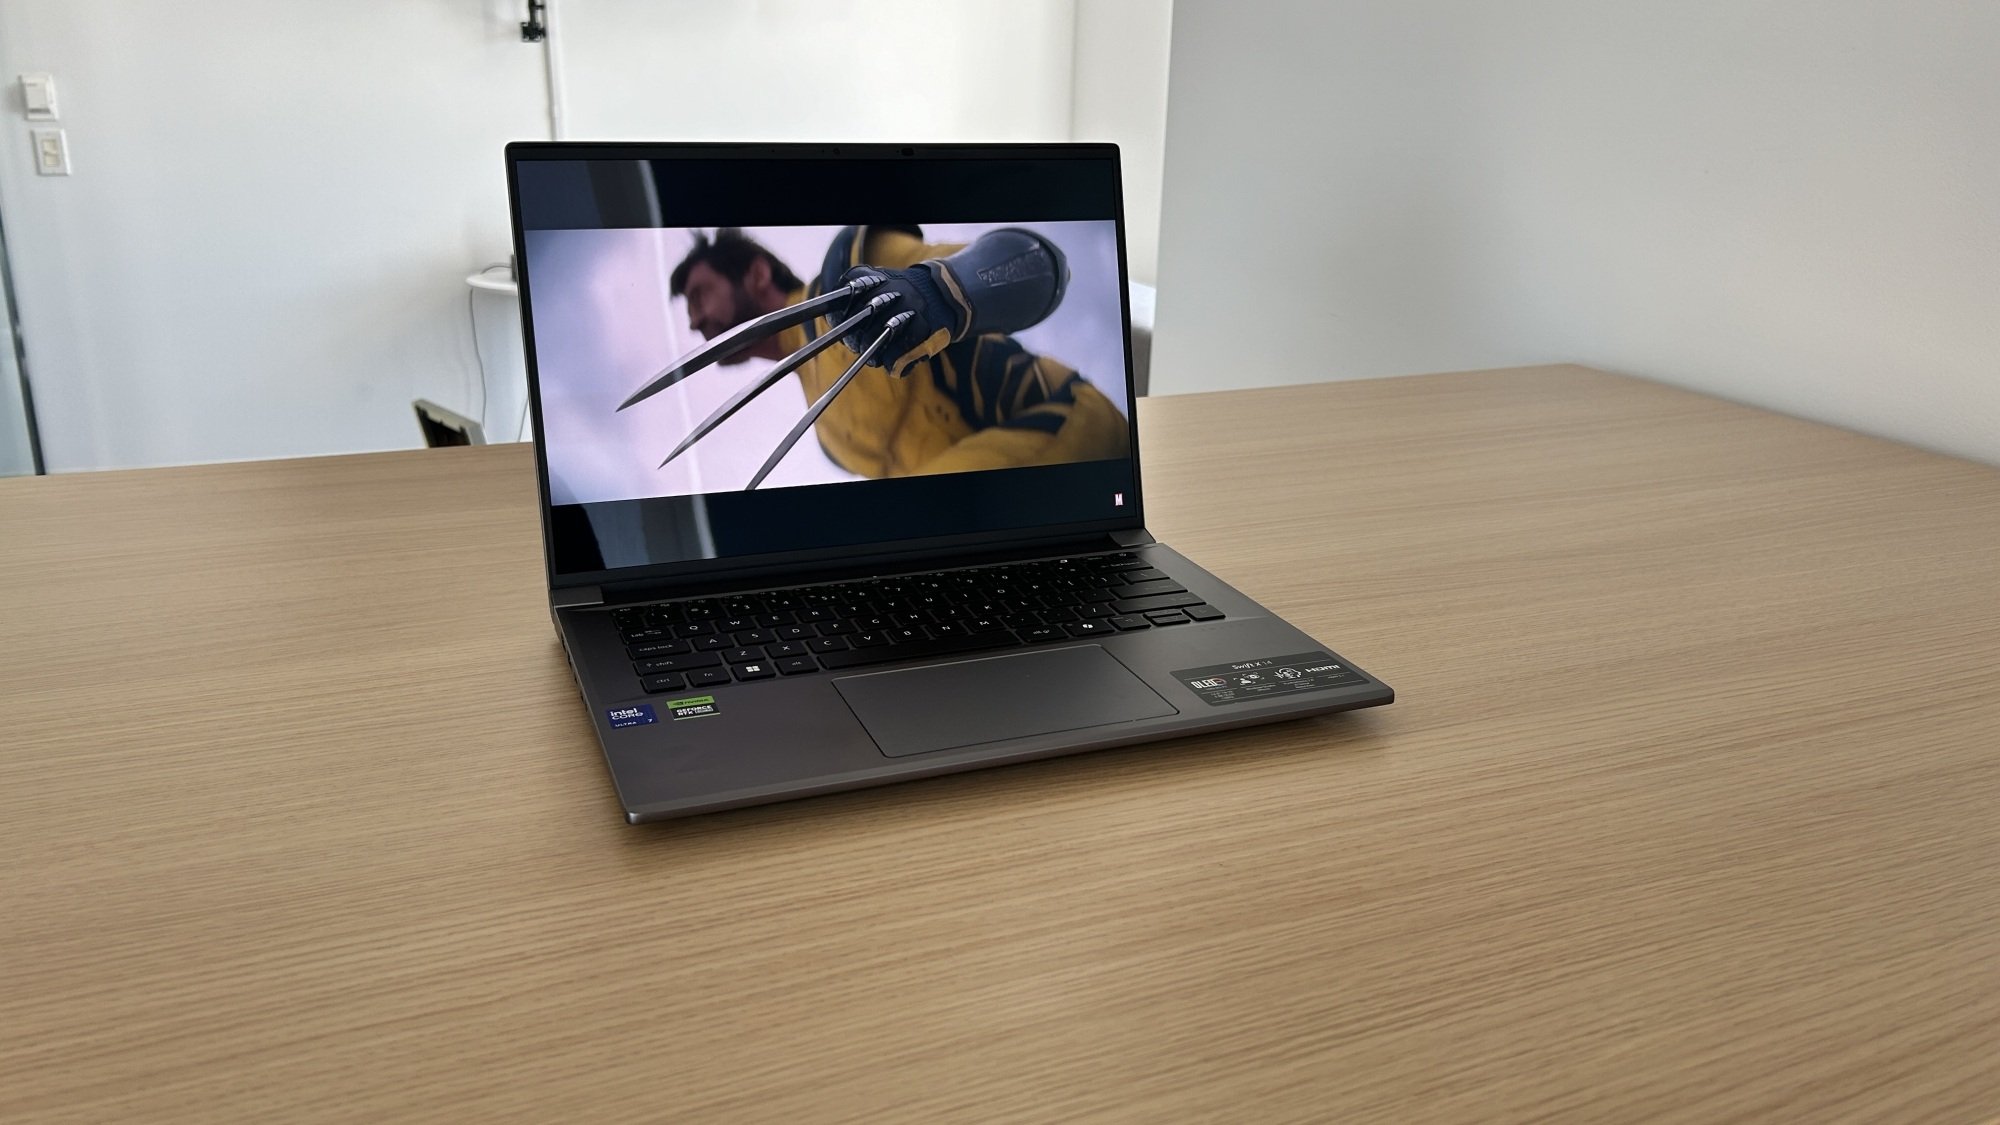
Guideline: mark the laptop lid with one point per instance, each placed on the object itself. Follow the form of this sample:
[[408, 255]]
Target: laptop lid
[[717, 384]]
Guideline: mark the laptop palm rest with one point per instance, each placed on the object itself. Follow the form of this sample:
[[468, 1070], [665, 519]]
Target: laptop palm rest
[[947, 706]]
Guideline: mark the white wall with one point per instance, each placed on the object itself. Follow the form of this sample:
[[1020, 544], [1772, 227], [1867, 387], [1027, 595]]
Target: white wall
[[262, 250], [1791, 204], [1121, 96], [262, 247], [861, 70]]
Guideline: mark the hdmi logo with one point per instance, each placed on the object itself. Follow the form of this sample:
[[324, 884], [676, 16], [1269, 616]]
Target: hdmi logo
[[631, 716]]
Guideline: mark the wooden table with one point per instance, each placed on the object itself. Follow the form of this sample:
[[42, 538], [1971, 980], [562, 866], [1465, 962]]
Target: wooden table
[[1689, 807]]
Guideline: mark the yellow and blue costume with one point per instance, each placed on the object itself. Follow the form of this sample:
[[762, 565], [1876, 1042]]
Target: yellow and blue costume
[[981, 401]]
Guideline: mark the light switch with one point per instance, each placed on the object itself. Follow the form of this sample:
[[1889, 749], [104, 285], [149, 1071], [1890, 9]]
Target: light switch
[[51, 152], [38, 95]]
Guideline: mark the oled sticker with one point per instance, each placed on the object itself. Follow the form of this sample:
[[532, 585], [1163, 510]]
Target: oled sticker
[[1248, 680], [637, 716]]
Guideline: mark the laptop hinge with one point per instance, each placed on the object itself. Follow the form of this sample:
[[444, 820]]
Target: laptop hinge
[[571, 597], [751, 578]]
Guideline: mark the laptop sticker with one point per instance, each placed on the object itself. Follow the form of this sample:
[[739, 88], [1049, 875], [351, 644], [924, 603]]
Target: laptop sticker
[[693, 707], [631, 716], [1249, 680]]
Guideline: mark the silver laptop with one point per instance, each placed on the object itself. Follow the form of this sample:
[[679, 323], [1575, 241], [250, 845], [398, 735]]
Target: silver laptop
[[840, 483]]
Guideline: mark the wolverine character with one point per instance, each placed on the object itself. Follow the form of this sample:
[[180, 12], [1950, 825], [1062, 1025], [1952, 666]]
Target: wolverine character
[[905, 349]]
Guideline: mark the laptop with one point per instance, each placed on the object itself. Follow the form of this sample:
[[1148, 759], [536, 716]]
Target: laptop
[[839, 477]]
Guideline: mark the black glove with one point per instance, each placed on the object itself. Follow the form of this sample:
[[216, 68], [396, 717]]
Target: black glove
[[1005, 281], [916, 290]]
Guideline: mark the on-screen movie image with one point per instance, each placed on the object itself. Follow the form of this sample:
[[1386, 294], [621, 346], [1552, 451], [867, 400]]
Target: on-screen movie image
[[680, 362]]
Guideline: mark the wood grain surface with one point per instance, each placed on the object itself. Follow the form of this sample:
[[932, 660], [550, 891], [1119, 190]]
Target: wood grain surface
[[1688, 809]]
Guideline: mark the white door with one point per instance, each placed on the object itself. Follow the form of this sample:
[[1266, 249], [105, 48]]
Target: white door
[[17, 448]]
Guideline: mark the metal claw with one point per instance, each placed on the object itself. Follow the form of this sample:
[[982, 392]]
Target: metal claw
[[784, 367], [749, 334], [826, 400]]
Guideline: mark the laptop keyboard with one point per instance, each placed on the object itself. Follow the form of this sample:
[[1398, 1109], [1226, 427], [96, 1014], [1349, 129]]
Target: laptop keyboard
[[707, 642]]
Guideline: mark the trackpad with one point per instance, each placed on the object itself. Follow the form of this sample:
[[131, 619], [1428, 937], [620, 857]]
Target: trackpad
[[919, 710]]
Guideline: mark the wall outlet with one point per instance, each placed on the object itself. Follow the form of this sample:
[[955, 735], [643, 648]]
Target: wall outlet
[[51, 152]]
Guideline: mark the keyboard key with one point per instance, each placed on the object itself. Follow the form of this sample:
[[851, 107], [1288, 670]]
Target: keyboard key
[[694, 629], [659, 648], [663, 683], [835, 629], [735, 624], [756, 637], [906, 635], [1159, 601], [1131, 622], [1165, 618], [1089, 628], [743, 655], [679, 663], [1147, 589], [868, 639], [1042, 634], [796, 632], [1203, 612], [772, 620], [762, 670], [915, 650], [788, 648], [708, 677], [1144, 574], [827, 644], [1091, 611], [795, 665], [714, 644]]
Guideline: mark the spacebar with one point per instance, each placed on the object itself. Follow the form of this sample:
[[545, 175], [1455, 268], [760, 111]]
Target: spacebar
[[916, 650]]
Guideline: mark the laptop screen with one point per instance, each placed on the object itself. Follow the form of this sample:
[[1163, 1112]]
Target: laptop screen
[[786, 352]]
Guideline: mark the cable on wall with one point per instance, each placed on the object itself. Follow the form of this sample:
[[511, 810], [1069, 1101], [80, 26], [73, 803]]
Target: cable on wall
[[478, 353], [540, 27]]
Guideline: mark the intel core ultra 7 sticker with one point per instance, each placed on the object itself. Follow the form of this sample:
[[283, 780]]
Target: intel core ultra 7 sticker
[[1248, 680], [631, 716]]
